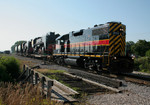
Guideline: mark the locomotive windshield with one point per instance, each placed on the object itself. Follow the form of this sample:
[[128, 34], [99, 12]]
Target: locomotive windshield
[[100, 31]]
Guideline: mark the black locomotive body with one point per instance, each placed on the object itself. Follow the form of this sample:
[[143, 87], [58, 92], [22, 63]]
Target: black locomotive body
[[99, 48], [42, 46], [49, 42]]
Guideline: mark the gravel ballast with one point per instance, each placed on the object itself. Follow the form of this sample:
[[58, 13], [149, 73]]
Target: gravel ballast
[[133, 94]]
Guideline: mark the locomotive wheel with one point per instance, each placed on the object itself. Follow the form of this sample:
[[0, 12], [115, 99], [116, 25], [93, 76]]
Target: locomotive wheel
[[92, 67], [99, 69], [62, 61], [58, 61], [85, 65]]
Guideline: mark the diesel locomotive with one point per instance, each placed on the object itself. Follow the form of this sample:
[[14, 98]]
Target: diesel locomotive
[[99, 48]]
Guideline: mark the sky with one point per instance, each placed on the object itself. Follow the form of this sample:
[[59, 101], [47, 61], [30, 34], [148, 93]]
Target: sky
[[27, 19]]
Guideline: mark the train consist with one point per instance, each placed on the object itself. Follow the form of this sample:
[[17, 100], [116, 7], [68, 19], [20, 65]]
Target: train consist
[[99, 48]]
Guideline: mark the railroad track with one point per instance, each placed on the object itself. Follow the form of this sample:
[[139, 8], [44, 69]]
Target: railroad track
[[131, 77], [137, 78], [97, 78], [108, 79], [93, 76]]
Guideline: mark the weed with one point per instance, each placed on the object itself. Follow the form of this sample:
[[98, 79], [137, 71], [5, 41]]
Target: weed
[[50, 71], [25, 94]]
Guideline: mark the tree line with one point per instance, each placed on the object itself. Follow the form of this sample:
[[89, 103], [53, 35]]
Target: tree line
[[141, 50], [16, 44]]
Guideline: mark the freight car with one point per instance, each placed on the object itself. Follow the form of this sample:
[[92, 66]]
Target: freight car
[[41, 47], [45, 45], [99, 48]]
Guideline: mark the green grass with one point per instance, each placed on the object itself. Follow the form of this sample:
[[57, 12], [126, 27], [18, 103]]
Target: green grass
[[1, 102], [74, 88], [145, 71], [56, 71], [54, 76]]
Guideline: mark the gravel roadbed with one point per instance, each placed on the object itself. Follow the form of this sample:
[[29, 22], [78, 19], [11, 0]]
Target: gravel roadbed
[[133, 94]]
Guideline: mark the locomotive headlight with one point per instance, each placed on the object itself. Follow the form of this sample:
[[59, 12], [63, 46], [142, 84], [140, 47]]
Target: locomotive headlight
[[115, 57], [133, 56], [121, 29]]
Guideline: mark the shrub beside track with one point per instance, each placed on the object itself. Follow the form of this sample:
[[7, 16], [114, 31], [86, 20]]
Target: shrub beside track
[[9, 68]]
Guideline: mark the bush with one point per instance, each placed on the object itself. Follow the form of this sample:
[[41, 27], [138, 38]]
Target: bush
[[4, 76], [9, 68], [140, 47], [147, 53], [142, 64]]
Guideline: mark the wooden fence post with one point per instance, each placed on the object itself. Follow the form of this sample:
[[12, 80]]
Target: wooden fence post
[[24, 68], [43, 84], [23, 73], [36, 78], [27, 73], [49, 88], [31, 78]]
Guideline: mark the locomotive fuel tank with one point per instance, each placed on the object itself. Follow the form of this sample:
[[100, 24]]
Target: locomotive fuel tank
[[71, 61]]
